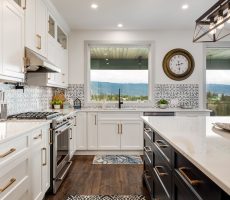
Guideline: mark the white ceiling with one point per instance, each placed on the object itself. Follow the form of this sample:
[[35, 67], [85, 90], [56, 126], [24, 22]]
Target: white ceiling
[[134, 14]]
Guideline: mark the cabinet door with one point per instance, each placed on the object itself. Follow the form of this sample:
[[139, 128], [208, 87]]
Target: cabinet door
[[45, 160], [131, 135], [41, 28], [109, 135], [13, 40], [92, 131], [30, 24], [36, 173], [80, 132]]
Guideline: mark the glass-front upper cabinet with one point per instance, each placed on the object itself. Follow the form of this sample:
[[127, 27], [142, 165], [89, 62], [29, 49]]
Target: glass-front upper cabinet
[[51, 27], [21, 3], [61, 38]]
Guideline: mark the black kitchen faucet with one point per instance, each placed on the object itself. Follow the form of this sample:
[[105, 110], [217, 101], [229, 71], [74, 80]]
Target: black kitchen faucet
[[119, 99]]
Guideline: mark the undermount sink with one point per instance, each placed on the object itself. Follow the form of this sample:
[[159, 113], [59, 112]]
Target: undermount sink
[[119, 109]]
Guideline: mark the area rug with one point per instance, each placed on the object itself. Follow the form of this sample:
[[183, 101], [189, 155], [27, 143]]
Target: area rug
[[117, 159], [106, 197]]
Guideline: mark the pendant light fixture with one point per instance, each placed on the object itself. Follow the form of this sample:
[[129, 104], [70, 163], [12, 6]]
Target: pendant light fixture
[[214, 24]]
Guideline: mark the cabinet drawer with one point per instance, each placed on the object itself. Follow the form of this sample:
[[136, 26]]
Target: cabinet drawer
[[37, 137], [164, 174], [159, 191], [148, 177], [148, 132], [148, 150], [164, 148], [11, 177], [199, 183], [119, 116], [13, 148]]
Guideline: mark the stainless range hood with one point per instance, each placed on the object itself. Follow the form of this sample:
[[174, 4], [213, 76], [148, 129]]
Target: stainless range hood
[[36, 63]]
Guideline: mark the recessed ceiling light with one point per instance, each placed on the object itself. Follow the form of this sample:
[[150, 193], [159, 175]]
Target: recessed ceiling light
[[94, 6], [185, 7], [120, 25]]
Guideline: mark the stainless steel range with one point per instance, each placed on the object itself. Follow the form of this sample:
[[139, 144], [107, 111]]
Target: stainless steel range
[[60, 142]]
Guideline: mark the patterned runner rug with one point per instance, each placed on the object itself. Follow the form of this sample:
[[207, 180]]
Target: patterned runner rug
[[117, 159], [106, 197]]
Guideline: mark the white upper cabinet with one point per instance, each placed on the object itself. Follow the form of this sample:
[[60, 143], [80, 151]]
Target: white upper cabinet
[[12, 41], [35, 26]]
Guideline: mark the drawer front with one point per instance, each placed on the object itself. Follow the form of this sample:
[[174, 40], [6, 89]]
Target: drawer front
[[37, 137], [11, 176], [164, 174], [13, 148], [148, 178], [148, 150], [148, 132], [119, 116], [159, 191], [199, 183], [164, 148]]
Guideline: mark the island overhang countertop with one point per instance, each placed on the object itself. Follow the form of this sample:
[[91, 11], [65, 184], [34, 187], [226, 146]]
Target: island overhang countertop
[[207, 147]]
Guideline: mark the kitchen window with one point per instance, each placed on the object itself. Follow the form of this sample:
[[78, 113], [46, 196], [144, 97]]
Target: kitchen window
[[114, 67]]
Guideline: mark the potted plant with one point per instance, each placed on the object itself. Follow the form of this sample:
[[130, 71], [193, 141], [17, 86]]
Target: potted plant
[[56, 103], [163, 103]]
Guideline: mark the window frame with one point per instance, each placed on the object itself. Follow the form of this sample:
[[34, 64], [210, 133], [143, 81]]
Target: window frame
[[151, 65]]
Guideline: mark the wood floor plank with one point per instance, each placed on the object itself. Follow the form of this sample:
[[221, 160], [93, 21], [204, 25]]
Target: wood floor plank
[[85, 178]]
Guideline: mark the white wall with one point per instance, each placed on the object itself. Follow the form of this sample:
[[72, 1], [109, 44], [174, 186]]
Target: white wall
[[164, 41]]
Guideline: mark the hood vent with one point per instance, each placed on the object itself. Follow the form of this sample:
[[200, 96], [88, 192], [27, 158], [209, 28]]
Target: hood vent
[[36, 63]]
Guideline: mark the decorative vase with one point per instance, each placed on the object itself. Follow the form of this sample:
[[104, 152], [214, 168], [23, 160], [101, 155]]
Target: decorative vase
[[163, 106], [57, 106]]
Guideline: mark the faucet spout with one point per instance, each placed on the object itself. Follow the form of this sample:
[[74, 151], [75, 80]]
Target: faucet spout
[[119, 99]]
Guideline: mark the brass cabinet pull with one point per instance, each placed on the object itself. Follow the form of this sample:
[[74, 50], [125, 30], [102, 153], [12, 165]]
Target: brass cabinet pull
[[45, 163], [37, 137], [71, 133], [11, 181], [7, 153], [121, 128], [95, 120], [118, 128], [161, 144], [158, 168], [147, 149], [75, 120], [193, 182], [24, 5], [39, 44]]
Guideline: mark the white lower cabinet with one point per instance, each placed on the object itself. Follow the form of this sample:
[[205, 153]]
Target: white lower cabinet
[[108, 135], [92, 125], [80, 131]]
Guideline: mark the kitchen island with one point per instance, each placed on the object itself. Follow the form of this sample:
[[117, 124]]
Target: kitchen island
[[194, 150]]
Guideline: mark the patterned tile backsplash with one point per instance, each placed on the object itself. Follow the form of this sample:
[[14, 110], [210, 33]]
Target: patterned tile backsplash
[[177, 94], [32, 99]]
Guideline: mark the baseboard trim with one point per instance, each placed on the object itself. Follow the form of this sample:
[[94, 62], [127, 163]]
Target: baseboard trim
[[89, 153]]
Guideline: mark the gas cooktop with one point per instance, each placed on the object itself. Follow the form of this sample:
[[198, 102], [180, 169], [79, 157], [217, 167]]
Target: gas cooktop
[[35, 115]]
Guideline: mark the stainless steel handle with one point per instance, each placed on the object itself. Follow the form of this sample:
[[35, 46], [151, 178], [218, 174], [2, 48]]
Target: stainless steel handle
[[39, 44], [11, 181], [158, 168], [118, 128], [147, 149], [51, 136], [147, 133], [121, 128], [183, 170], [95, 120], [147, 129], [45, 163], [60, 130], [71, 133], [37, 137], [65, 172], [75, 120], [161, 144], [7, 153]]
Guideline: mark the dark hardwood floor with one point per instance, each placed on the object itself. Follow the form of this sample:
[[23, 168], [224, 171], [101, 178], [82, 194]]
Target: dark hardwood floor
[[85, 178]]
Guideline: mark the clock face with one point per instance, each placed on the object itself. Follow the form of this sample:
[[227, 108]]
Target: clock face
[[178, 64]]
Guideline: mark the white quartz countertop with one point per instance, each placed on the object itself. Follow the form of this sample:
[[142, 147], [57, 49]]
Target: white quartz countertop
[[12, 129], [67, 111], [208, 148]]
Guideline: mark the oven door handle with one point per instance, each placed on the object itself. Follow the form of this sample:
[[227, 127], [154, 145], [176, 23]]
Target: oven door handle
[[61, 129]]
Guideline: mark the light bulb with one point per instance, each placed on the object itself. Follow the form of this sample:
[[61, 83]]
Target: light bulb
[[212, 32], [220, 19]]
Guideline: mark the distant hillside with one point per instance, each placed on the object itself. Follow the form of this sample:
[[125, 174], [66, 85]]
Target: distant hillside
[[131, 89], [219, 88]]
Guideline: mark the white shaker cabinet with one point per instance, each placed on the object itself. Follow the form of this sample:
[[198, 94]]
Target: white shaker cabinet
[[12, 68], [81, 131], [92, 124], [108, 135]]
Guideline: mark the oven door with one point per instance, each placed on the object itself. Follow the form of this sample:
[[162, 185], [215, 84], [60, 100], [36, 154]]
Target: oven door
[[61, 147]]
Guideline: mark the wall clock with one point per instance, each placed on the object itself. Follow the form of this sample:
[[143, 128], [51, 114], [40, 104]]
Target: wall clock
[[178, 64]]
